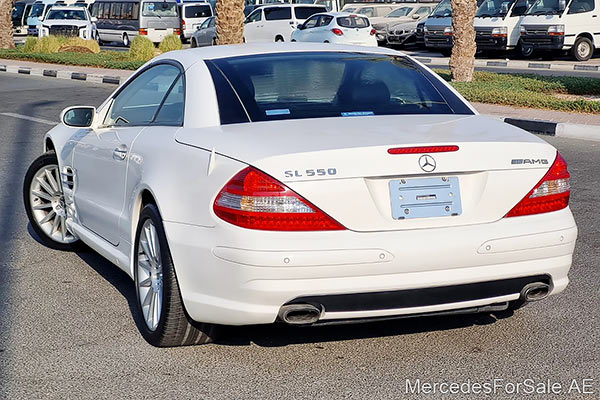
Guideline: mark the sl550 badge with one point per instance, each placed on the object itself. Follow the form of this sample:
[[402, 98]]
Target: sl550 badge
[[310, 172]]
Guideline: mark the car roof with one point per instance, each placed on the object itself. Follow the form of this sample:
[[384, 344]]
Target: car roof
[[293, 5], [189, 57], [67, 8]]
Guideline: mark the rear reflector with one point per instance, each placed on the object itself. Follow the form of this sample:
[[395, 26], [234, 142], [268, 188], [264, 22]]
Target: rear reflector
[[337, 31], [423, 149], [550, 194], [254, 200], [143, 31]]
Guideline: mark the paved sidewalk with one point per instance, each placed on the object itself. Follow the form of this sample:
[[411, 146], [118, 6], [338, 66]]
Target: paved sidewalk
[[535, 114]]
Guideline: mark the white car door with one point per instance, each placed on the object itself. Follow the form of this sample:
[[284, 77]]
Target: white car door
[[278, 23], [101, 156], [253, 25], [308, 33], [322, 30]]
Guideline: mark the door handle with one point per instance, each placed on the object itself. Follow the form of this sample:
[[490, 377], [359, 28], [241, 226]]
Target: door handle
[[120, 153]]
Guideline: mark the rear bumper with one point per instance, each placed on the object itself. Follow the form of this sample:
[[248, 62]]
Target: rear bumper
[[234, 276]]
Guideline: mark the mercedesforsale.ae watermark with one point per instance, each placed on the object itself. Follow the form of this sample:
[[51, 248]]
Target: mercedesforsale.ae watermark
[[583, 386]]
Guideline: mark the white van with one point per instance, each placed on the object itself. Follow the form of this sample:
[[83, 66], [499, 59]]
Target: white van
[[498, 24], [562, 25], [277, 22], [192, 16]]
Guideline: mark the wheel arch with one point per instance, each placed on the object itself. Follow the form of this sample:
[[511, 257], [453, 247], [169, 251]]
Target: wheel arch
[[49, 145], [586, 35]]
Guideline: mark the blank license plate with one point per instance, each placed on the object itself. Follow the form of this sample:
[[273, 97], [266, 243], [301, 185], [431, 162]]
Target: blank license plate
[[425, 197]]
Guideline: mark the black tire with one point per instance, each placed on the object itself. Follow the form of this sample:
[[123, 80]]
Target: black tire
[[583, 49], [42, 161], [126, 41], [525, 51], [193, 43], [174, 328], [214, 42], [446, 52], [279, 38]]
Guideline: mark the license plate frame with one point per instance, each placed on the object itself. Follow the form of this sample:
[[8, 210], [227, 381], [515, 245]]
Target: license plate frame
[[413, 198]]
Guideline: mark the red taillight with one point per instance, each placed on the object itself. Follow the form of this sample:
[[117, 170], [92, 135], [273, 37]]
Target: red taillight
[[550, 194], [183, 24], [254, 200], [337, 31], [423, 149], [143, 31], [177, 31], [373, 31]]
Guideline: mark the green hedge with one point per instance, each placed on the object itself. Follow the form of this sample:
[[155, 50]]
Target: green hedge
[[104, 59], [529, 90]]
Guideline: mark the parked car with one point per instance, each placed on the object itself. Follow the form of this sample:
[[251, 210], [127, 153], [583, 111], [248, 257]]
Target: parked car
[[38, 11], [406, 13], [402, 34], [371, 10], [19, 16], [420, 35], [69, 21], [438, 29], [277, 22], [192, 16], [558, 25], [340, 28], [206, 34], [224, 181], [498, 25]]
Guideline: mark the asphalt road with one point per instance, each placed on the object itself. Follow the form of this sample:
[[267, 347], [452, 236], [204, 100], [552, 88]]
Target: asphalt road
[[66, 329]]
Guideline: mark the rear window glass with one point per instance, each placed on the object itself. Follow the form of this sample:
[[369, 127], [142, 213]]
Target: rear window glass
[[278, 13], [198, 11], [353, 22], [318, 85], [159, 9], [305, 12]]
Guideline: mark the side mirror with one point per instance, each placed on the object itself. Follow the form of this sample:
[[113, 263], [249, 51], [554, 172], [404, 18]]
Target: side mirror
[[504, 8], [301, 26], [94, 19], [562, 4], [416, 16], [40, 18], [78, 117]]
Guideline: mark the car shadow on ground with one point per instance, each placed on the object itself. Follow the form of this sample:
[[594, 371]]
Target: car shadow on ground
[[280, 335]]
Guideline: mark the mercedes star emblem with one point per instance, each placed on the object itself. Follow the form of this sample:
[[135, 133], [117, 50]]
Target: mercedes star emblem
[[427, 163]]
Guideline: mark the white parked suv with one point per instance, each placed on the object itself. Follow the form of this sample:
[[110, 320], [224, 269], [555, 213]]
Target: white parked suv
[[341, 28], [277, 22], [69, 21]]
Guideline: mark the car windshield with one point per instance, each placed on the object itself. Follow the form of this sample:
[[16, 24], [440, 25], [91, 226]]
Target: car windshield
[[17, 13], [494, 8], [67, 14], [159, 9], [400, 12], [545, 7], [198, 11], [37, 10], [318, 85], [349, 9], [444, 9]]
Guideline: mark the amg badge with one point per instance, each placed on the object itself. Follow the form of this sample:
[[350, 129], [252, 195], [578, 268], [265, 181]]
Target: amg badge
[[532, 161]]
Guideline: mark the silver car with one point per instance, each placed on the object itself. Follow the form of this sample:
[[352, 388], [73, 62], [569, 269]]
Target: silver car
[[206, 34]]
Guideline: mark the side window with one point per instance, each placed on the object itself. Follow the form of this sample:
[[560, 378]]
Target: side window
[[325, 20], [205, 24], [127, 11], [115, 11], [423, 11], [255, 16], [136, 10], [95, 9], [211, 23], [138, 102], [581, 6], [368, 11], [311, 22], [171, 112], [278, 13]]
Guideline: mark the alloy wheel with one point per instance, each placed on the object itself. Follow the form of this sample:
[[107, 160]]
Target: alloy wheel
[[48, 204], [149, 277]]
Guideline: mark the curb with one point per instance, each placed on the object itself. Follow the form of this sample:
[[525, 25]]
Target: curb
[[62, 74], [558, 129], [514, 64]]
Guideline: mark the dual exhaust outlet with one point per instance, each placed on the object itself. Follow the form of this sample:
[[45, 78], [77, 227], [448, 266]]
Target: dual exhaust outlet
[[306, 313]]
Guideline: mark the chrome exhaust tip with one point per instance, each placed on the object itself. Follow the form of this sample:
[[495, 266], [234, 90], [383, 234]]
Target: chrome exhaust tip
[[299, 314], [535, 291]]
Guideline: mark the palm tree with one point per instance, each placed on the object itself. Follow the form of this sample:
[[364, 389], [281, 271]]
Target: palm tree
[[230, 21], [6, 28], [462, 61]]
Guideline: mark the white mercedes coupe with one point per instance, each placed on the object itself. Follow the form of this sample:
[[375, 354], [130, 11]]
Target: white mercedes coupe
[[306, 184]]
